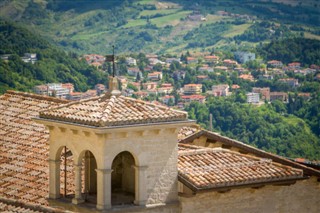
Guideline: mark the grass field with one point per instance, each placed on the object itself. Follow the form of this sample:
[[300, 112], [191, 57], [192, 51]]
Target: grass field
[[236, 30], [311, 36], [153, 12], [146, 2], [171, 19]]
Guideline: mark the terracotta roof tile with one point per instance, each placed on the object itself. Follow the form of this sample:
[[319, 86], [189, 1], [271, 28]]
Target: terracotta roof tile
[[113, 111], [187, 131], [24, 148], [206, 168]]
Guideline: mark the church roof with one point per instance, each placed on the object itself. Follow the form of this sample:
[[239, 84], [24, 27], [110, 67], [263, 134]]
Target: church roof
[[113, 111], [215, 168]]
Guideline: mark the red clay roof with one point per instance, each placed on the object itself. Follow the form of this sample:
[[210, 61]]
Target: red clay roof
[[244, 148], [113, 111], [24, 147], [209, 168]]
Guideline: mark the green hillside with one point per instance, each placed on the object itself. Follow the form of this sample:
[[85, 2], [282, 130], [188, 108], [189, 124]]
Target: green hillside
[[163, 27], [262, 127], [53, 65]]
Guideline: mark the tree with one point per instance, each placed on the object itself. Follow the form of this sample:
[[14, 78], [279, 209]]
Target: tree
[[157, 67], [131, 86]]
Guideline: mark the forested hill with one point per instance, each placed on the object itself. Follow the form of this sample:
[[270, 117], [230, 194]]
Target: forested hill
[[269, 127], [303, 50], [53, 65], [171, 26]]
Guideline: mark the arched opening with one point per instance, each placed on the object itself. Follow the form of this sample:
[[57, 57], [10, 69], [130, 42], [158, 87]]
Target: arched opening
[[89, 177], [67, 185], [123, 179]]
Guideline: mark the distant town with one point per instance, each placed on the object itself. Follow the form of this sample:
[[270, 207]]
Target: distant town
[[170, 80]]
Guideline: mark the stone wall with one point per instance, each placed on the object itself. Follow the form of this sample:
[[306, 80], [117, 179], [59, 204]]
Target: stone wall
[[156, 149], [303, 196]]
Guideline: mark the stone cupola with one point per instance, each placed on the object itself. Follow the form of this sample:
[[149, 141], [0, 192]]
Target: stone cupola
[[132, 143]]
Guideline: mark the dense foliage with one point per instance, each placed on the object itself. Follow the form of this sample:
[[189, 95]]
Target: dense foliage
[[306, 51], [53, 65], [163, 26], [263, 127], [264, 30], [205, 35]]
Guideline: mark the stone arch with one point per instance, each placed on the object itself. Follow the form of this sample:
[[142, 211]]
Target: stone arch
[[89, 165], [55, 154], [112, 155], [65, 156], [123, 188]]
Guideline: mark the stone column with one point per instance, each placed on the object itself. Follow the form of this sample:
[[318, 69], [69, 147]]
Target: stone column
[[103, 189], [77, 197], [54, 179], [140, 185]]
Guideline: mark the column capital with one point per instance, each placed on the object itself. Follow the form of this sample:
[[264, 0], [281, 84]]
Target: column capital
[[104, 171]]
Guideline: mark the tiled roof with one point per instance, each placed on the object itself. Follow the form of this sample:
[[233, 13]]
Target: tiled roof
[[8, 205], [4, 207], [113, 111], [245, 148], [24, 147], [187, 131], [209, 168]]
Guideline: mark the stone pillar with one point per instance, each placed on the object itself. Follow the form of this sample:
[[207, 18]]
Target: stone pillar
[[103, 189], [77, 197], [54, 179], [140, 185]]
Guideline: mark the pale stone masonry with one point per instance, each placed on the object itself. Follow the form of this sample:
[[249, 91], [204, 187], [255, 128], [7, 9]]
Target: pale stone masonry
[[302, 196], [108, 127]]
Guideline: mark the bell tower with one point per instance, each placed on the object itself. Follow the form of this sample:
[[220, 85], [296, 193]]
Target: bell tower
[[132, 143]]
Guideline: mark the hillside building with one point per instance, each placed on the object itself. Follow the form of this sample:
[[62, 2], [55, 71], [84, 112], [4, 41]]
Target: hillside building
[[253, 98], [29, 58], [275, 64], [244, 57], [131, 61], [155, 76], [58, 90], [220, 90], [282, 96], [292, 82], [212, 59], [192, 89], [263, 91]]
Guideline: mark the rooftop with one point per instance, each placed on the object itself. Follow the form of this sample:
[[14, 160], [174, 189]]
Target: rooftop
[[209, 168], [107, 111], [24, 147], [24, 153]]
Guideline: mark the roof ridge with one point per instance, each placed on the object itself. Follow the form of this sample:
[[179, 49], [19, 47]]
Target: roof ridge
[[40, 97], [108, 109]]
